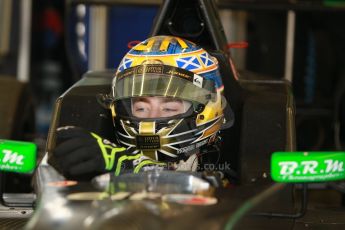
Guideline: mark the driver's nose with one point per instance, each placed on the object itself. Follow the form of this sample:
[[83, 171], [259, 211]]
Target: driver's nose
[[155, 112]]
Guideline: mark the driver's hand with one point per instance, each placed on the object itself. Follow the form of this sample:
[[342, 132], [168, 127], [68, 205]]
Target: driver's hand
[[79, 152]]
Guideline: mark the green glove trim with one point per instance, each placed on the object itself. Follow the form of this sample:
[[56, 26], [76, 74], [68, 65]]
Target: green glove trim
[[109, 158], [109, 155], [147, 162], [123, 158]]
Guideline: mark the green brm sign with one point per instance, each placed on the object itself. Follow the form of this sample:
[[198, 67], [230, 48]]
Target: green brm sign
[[17, 156], [307, 166]]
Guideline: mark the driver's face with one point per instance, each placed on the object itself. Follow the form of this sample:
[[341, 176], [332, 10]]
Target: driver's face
[[156, 107]]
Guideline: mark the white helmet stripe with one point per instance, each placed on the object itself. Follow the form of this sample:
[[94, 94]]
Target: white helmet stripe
[[167, 153], [125, 143], [180, 134], [179, 142], [130, 137], [215, 122]]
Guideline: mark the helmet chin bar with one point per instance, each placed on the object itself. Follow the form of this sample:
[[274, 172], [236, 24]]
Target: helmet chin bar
[[168, 140]]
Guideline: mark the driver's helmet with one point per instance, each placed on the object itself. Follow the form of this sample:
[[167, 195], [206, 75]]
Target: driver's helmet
[[175, 69]]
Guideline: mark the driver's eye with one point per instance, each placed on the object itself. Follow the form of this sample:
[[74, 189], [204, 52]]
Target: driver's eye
[[169, 110], [141, 109], [156, 108]]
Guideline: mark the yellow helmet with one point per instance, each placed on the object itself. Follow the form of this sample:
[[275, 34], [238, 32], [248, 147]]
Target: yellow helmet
[[170, 67]]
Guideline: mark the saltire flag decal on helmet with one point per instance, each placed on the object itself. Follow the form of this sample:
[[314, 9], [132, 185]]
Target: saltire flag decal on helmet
[[205, 58], [188, 63], [125, 63]]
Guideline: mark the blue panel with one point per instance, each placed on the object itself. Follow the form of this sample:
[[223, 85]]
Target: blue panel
[[126, 24]]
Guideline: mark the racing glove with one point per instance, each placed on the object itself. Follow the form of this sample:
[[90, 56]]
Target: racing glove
[[79, 152]]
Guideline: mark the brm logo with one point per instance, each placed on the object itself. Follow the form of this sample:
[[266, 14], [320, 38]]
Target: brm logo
[[12, 157], [310, 167], [334, 166], [307, 166]]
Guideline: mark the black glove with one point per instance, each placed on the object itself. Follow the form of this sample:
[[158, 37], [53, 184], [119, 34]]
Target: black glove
[[79, 152]]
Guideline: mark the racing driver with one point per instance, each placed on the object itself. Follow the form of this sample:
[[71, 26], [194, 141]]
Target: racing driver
[[167, 107]]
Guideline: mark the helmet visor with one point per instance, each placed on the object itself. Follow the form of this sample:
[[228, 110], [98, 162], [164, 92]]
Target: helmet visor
[[163, 81]]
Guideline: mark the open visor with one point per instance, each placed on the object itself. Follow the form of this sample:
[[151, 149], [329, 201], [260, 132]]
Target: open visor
[[164, 81]]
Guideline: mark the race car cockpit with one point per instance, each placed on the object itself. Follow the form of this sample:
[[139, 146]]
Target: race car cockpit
[[263, 108]]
